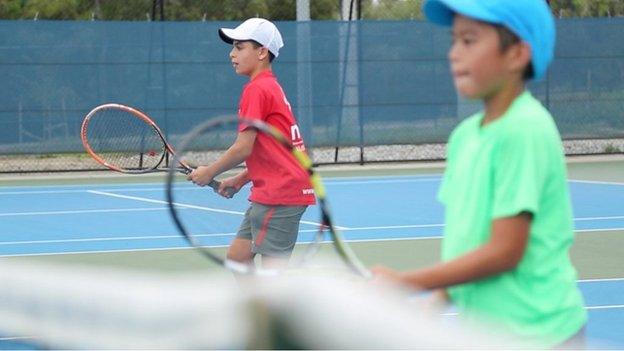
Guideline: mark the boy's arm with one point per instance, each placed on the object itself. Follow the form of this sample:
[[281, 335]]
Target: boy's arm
[[235, 155], [502, 253]]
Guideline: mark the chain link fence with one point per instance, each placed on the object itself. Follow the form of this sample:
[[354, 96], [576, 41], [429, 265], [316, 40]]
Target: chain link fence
[[362, 91]]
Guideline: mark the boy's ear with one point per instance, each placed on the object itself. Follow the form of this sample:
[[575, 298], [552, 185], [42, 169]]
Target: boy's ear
[[263, 54], [519, 56]]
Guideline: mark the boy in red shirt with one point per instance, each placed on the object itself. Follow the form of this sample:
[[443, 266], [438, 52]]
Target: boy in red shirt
[[281, 190]]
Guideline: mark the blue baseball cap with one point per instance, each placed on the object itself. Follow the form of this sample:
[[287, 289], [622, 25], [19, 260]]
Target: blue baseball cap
[[530, 20]]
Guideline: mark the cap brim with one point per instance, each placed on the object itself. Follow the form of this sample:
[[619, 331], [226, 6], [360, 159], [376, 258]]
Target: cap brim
[[229, 35], [443, 12]]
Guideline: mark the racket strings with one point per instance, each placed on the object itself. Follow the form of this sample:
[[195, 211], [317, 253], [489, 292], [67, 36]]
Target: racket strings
[[124, 140]]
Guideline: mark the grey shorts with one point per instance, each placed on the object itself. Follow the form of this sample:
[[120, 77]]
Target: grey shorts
[[272, 229]]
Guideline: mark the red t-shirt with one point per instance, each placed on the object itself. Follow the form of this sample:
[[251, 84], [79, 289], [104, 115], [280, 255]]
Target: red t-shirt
[[277, 177]]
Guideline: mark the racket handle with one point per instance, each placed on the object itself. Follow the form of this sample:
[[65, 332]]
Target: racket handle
[[229, 191], [215, 184]]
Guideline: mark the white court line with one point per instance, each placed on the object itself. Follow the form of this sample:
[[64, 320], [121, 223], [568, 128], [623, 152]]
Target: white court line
[[140, 237], [599, 230], [196, 188], [210, 209], [43, 213], [603, 307], [152, 237], [105, 251], [326, 180], [152, 182], [433, 237], [600, 280], [137, 250], [147, 237], [342, 228], [407, 226], [9, 214], [594, 182], [395, 227], [143, 199], [38, 192], [71, 191], [383, 177], [598, 218], [395, 181], [11, 338], [338, 181]]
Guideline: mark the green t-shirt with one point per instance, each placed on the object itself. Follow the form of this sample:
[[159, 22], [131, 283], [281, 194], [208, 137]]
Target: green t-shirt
[[510, 165]]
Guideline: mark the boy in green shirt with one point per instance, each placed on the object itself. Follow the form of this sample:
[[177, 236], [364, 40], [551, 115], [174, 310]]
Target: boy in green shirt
[[508, 216]]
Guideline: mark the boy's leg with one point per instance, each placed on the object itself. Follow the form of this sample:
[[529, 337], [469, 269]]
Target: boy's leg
[[274, 230], [240, 248], [240, 251]]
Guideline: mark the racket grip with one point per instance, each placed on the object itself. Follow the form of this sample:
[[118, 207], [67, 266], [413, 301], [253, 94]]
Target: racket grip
[[229, 191], [215, 184]]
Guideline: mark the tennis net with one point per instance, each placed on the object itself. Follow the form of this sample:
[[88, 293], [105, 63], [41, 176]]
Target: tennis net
[[88, 308]]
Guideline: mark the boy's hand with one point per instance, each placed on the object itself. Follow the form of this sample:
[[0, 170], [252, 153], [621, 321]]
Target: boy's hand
[[436, 303], [385, 274], [201, 176], [228, 187]]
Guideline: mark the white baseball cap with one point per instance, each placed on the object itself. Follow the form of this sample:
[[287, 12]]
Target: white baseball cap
[[257, 29]]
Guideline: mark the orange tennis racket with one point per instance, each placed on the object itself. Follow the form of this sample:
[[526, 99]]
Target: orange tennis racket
[[126, 140]]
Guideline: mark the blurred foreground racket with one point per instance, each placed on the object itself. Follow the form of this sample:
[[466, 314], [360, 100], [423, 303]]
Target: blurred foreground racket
[[188, 222], [126, 140]]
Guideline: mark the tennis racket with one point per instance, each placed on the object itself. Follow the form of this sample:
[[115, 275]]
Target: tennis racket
[[187, 225], [326, 222], [126, 140]]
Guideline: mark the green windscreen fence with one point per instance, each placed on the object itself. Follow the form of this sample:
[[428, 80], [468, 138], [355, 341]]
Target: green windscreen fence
[[351, 84]]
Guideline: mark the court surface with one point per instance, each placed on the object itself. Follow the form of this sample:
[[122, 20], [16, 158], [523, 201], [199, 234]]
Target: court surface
[[389, 219]]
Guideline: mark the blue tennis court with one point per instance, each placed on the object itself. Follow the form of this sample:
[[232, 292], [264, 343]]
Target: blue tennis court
[[107, 217], [52, 220]]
